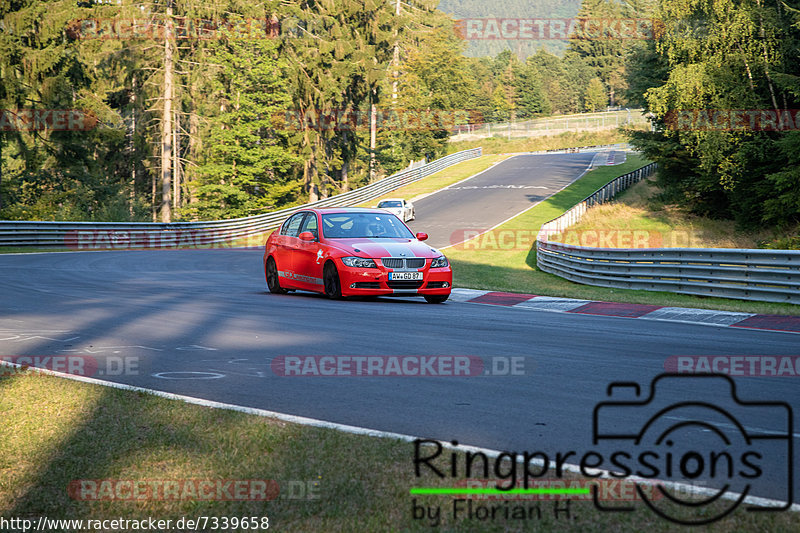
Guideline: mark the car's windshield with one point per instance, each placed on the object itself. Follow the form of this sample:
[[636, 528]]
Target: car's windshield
[[364, 225], [393, 203]]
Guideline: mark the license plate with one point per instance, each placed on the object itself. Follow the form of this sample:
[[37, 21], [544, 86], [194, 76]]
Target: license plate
[[405, 276]]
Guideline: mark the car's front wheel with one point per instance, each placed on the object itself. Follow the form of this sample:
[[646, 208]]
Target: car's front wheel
[[437, 298], [330, 279], [273, 283]]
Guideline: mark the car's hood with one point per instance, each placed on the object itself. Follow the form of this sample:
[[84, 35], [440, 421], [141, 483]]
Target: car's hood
[[384, 247]]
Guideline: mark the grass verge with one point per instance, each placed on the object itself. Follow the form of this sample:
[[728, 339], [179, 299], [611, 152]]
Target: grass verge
[[659, 225], [57, 431], [504, 259], [500, 145]]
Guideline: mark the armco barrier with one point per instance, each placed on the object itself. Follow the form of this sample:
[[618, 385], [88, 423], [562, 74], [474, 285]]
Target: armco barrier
[[153, 234], [763, 275]]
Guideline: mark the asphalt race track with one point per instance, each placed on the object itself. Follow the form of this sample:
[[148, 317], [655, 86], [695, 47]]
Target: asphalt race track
[[500, 192], [201, 323]]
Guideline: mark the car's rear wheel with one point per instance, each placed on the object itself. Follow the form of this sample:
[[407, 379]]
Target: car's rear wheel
[[437, 298], [273, 282], [330, 278]]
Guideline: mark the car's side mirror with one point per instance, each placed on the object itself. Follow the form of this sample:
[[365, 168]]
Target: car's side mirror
[[422, 236], [306, 236]]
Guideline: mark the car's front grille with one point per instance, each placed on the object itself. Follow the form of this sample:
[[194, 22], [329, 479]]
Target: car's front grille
[[404, 284], [415, 262], [403, 262]]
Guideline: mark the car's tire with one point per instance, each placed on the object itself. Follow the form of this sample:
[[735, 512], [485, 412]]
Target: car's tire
[[437, 298], [273, 281], [331, 282]]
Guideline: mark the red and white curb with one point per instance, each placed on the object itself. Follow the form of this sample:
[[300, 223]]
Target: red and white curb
[[706, 317]]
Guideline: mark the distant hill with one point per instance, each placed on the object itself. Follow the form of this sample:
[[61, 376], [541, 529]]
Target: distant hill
[[505, 9]]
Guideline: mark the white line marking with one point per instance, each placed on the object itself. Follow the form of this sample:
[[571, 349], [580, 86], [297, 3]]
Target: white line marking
[[356, 430], [195, 375], [31, 337], [509, 219], [731, 426], [194, 347], [420, 197], [101, 349]]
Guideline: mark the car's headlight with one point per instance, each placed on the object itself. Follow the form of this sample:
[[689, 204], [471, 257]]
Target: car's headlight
[[439, 262], [359, 262]]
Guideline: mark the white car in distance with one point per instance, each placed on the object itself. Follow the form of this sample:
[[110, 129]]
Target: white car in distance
[[402, 209]]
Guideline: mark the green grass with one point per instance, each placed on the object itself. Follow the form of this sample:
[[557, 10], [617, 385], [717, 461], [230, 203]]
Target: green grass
[[487, 263], [56, 431], [663, 225], [27, 249], [502, 145]]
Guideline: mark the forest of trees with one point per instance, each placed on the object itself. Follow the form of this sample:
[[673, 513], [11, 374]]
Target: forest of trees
[[720, 56], [217, 109], [191, 101]]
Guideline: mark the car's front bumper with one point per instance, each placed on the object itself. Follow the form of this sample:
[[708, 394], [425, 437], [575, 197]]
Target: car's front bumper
[[375, 281]]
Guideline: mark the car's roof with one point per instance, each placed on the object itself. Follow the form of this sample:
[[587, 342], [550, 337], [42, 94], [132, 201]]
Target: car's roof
[[392, 200], [328, 210]]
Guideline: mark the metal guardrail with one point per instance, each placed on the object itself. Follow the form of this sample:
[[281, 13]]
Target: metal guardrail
[[761, 275], [103, 235]]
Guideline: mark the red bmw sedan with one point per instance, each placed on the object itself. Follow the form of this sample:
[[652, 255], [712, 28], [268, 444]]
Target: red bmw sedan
[[351, 251]]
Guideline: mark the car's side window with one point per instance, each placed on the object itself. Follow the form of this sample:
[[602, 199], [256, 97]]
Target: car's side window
[[310, 224], [292, 226]]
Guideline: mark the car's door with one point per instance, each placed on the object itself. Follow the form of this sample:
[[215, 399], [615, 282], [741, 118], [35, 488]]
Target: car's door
[[308, 256], [286, 246]]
